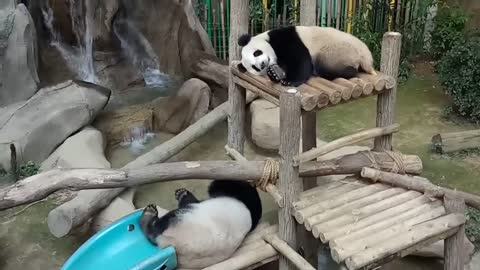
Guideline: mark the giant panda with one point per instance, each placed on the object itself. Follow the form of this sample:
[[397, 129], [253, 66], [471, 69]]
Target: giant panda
[[205, 232], [305, 51]]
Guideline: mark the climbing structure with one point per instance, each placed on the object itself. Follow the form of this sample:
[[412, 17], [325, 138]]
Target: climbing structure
[[364, 223]]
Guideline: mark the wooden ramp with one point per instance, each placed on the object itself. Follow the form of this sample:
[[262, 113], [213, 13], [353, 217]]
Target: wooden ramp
[[366, 225]]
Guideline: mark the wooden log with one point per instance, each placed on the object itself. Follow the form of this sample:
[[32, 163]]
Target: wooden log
[[77, 211], [455, 141], [308, 12], [162, 152], [311, 221], [282, 247], [454, 248], [428, 188], [321, 196], [323, 189], [258, 234], [341, 199], [245, 259], [41, 185], [322, 98], [361, 213], [309, 141], [367, 87], [349, 164], [389, 65], [403, 244], [289, 181], [236, 93], [344, 141], [256, 91], [271, 189], [356, 89], [327, 235], [334, 95], [324, 84], [309, 98], [215, 72], [378, 82], [341, 252], [262, 83], [366, 232]]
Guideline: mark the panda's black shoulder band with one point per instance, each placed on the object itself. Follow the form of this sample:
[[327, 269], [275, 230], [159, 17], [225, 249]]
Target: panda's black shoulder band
[[244, 39]]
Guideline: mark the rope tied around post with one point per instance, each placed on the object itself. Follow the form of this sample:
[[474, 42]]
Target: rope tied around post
[[397, 158], [270, 173]]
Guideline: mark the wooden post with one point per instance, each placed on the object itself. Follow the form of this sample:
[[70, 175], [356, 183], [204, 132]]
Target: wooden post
[[289, 181], [390, 61], [308, 10], [236, 93], [455, 245], [309, 141]]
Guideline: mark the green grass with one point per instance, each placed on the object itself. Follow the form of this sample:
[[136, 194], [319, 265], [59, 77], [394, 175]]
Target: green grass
[[419, 111]]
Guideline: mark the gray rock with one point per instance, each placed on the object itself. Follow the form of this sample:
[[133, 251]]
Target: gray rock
[[265, 124], [18, 54], [82, 150], [37, 126]]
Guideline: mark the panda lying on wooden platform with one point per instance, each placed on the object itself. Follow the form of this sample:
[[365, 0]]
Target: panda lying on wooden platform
[[291, 55], [205, 232]]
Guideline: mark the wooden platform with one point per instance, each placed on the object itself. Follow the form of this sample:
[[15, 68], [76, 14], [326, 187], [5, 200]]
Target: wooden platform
[[366, 225], [317, 93], [254, 251]]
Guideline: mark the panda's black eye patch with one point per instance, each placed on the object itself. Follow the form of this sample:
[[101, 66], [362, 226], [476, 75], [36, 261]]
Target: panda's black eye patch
[[257, 53]]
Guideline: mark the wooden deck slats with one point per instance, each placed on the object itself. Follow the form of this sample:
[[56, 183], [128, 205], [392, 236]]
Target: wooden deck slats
[[371, 224], [317, 93]]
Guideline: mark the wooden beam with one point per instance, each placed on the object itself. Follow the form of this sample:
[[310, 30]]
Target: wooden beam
[[236, 93], [289, 181], [41, 185], [454, 248], [288, 252], [389, 65], [344, 141], [308, 10], [426, 187], [455, 141]]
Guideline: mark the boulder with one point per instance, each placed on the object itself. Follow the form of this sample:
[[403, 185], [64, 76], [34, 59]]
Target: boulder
[[37, 126], [175, 113], [18, 54], [82, 150], [265, 124]]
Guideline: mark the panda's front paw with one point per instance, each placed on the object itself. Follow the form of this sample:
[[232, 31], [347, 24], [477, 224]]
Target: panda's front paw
[[181, 193], [272, 75], [150, 209], [285, 83]]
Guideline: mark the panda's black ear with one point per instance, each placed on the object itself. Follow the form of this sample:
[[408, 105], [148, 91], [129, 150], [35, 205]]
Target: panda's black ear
[[244, 39]]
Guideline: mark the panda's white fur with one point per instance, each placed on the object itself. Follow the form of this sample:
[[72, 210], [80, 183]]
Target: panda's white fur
[[211, 232], [336, 49], [304, 51], [205, 232]]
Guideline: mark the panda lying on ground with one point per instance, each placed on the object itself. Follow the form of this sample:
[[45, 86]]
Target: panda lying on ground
[[207, 232], [300, 52]]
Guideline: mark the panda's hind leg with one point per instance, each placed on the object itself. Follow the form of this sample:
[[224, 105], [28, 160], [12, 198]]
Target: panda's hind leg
[[185, 197]]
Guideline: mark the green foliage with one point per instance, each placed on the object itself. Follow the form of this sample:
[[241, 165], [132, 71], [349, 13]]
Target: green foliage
[[459, 73], [28, 169], [449, 29], [472, 227]]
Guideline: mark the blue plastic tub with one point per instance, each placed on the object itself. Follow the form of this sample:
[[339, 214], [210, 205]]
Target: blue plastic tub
[[121, 246]]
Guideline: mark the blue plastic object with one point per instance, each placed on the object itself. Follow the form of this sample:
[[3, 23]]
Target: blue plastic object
[[121, 246]]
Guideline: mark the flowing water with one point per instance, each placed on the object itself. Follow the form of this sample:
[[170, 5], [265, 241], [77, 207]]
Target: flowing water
[[80, 58]]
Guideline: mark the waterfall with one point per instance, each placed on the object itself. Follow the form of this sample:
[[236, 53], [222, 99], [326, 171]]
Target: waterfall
[[139, 136], [79, 59], [139, 52]]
